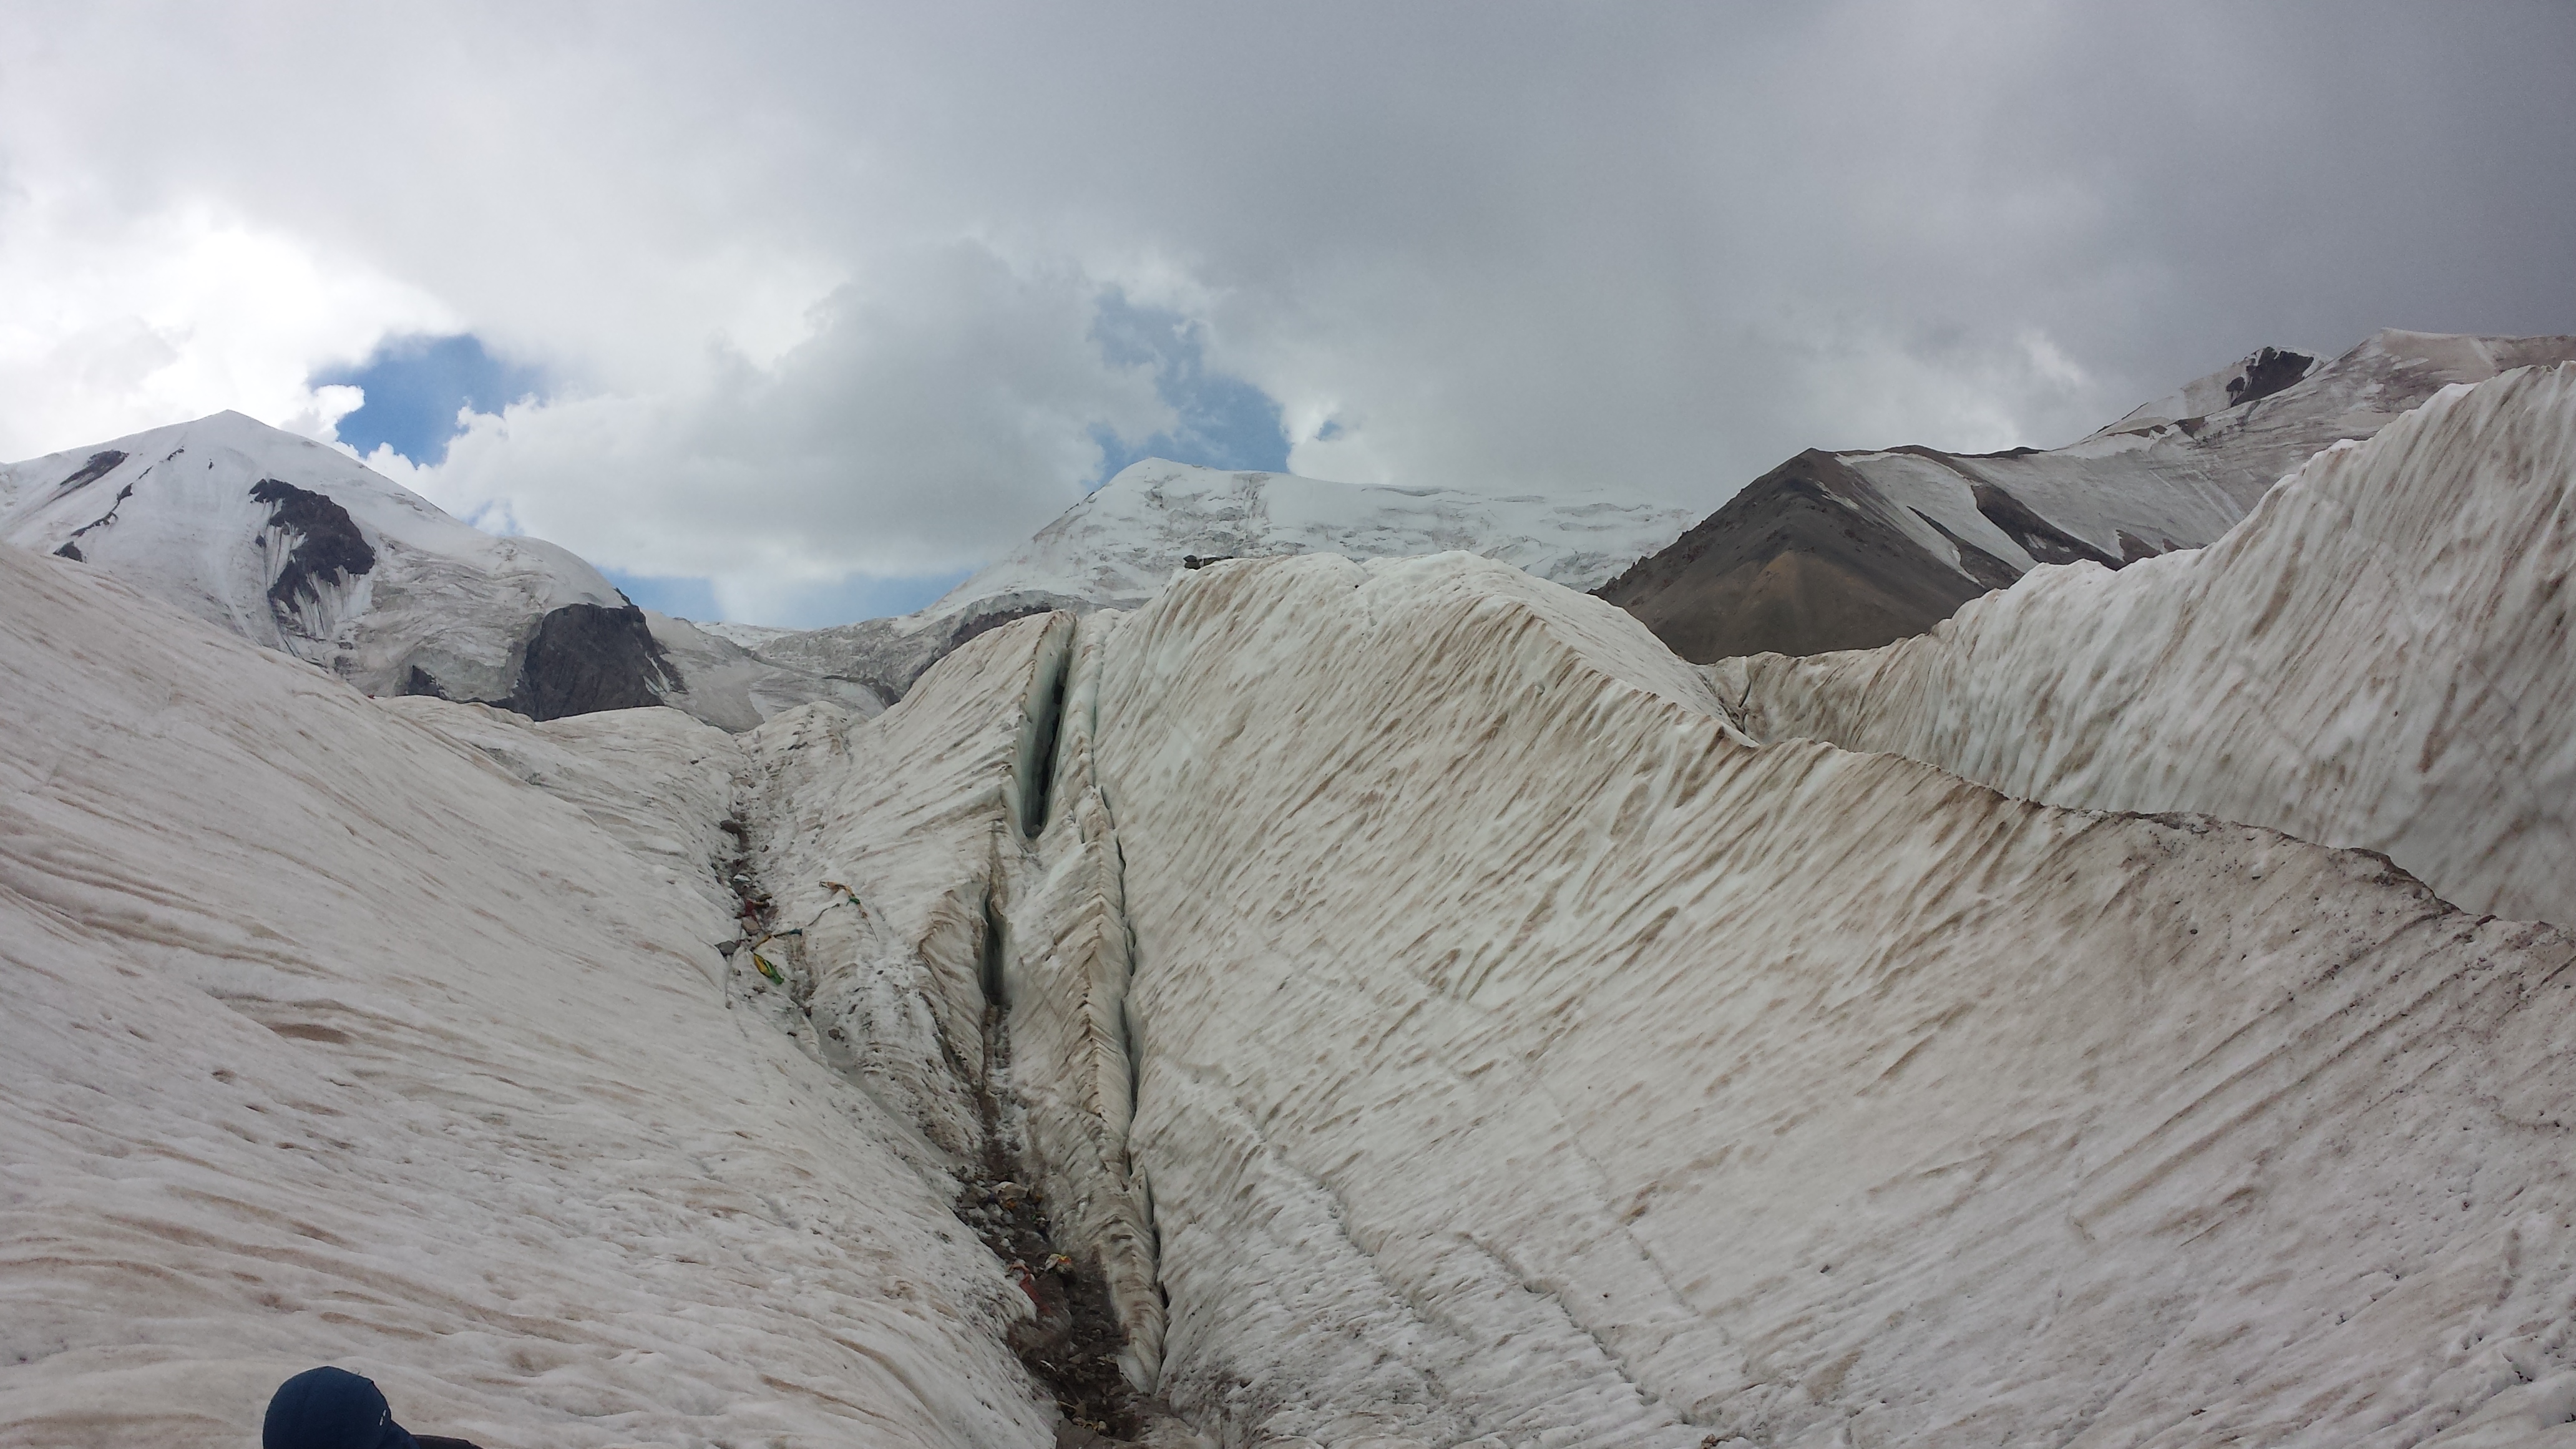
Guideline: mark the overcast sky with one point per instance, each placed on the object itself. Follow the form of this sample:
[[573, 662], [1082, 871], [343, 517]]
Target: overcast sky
[[791, 312]]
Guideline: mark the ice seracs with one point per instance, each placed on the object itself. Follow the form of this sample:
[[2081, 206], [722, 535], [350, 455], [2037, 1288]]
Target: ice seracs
[[1118, 546]]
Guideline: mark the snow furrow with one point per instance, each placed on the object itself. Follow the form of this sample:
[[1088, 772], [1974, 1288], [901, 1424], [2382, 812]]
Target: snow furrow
[[1528, 1058]]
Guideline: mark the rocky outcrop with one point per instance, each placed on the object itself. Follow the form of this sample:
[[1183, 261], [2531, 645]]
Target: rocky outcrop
[[585, 657], [322, 543], [1807, 558]]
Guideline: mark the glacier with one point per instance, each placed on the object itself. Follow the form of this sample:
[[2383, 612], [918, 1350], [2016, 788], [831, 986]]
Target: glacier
[[332, 1037], [1425, 1010]]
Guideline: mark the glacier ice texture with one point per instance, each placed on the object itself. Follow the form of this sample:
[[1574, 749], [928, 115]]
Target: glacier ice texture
[[1436, 1014]]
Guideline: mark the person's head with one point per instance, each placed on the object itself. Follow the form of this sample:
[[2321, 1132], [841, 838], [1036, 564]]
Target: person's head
[[330, 1408]]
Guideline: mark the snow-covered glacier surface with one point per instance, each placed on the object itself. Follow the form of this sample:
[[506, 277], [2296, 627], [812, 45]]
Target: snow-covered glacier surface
[[2382, 655], [382, 582], [1527, 1058], [394, 1034], [1425, 1015]]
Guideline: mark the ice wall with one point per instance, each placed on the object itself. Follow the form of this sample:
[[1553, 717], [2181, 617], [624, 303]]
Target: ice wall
[[1526, 1058], [2382, 655]]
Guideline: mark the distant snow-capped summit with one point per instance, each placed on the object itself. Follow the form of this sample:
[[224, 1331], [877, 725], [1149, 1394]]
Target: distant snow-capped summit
[[302, 549], [1117, 548]]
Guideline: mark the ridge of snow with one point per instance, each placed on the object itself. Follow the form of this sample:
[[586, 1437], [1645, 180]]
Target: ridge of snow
[[1525, 1057], [2378, 656], [175, 517], [2180, 481], [1124, 542]]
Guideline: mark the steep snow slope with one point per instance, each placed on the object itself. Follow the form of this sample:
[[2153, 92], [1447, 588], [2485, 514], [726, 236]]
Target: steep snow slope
[[2382, 655], [298, 548], [1856, 549], [1526, 1058], [1118, 546], [392, 1034]]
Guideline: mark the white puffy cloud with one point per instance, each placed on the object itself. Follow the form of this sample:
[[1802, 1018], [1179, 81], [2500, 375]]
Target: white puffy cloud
[[936, 413], [115, 323]]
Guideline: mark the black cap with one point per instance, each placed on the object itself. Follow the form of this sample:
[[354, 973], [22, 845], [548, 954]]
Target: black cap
[[331, 1408]]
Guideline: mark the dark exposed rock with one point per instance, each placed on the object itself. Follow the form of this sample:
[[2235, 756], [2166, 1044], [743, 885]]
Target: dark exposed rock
[[585, 658], [421, 681], [327, 542], [2037, 536], [1803, 561], [2134, 548], [100, 464], [71, 545], [974, 625], [2267, 372], [1194, 562]]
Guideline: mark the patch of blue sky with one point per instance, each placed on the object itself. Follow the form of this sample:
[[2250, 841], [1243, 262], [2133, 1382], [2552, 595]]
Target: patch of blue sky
[[682, 597], [415, 386], [806, 606], [1225, 422]]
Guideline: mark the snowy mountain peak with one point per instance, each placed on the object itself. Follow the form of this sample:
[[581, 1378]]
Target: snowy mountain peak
[[300, 548]]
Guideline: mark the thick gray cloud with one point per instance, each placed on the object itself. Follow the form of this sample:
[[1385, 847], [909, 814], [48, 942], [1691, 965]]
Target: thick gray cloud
[[811, 281]]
